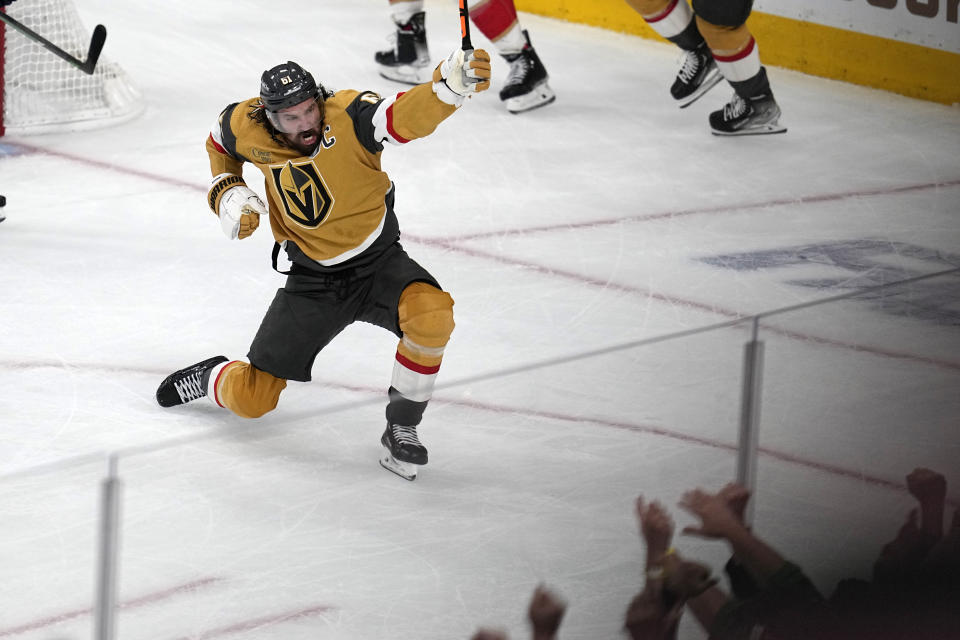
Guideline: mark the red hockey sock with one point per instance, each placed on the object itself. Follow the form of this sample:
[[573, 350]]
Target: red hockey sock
[[494, 18]]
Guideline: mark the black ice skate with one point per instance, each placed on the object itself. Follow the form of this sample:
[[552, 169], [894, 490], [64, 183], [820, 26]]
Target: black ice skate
[[697, 75], [409, 59], [187, 384], [402, 451], [526, 87], [741, 117]]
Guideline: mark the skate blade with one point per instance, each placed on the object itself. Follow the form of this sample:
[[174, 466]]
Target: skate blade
[[709, 83], [759, 130], [541, 96], [407, 74], [405, 470]]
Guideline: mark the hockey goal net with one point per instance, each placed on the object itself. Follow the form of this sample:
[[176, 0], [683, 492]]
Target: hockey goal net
[[40, 93]]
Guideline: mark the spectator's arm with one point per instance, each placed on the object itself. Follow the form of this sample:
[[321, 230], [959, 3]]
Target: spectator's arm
[[717, 520], [930, 490], [759, 557]]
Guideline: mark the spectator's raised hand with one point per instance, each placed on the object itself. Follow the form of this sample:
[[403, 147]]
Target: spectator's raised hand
[[648, 619], [736, 496], [656, 527], [545, 613], [927, 486], [930, 490], [717, 519], [687, 579]]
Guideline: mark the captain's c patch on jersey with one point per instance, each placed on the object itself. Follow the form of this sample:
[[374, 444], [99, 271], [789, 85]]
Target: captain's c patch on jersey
[[302, 193]]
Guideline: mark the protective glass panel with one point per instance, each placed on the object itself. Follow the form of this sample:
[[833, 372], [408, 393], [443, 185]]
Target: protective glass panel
[[50, 537], [857, 393], [290, 528]]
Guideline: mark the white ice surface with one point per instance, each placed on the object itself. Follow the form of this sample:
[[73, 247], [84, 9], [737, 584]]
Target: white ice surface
[[564, 231]]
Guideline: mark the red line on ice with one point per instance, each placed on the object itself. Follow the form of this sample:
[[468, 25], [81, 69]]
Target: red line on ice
[[692, 439], [448, 242], [258, 623], [723, 208], [147, 599]]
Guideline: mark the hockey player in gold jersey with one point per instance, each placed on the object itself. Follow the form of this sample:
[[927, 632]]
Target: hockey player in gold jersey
[[330, 207]]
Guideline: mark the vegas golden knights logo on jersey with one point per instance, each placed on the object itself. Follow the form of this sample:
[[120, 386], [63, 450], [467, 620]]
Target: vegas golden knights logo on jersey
[[302, 192]]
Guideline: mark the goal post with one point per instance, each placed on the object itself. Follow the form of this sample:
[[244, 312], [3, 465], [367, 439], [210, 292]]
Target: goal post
[[42, 93]]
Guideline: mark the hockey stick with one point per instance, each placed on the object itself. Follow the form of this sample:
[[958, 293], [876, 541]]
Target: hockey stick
[[466, 45], [96, 44]]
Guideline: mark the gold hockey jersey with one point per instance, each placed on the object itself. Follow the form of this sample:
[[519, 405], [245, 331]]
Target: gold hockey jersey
[[331, 209]]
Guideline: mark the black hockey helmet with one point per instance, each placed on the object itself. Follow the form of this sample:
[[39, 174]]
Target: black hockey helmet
[[286, 85]]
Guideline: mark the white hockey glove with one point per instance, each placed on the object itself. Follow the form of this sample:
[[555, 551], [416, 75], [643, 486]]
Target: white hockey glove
[[462, 75], [240, 210]]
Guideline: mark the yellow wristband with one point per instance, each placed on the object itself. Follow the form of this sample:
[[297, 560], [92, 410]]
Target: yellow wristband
[[657, 571]]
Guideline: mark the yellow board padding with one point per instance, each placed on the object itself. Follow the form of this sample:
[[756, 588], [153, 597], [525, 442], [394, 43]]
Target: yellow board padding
[[426, 320], [248, 391], [908, 69], [648, 7]]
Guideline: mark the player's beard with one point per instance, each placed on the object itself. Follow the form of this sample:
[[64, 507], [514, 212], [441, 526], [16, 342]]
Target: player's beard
[[304, 141]]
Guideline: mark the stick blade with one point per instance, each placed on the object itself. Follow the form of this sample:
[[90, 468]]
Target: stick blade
[[96, 46]]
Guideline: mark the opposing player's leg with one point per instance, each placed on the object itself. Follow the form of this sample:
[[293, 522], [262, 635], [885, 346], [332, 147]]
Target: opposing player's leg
[[752, 109], [673, 19], [526, 86], [409, 58]]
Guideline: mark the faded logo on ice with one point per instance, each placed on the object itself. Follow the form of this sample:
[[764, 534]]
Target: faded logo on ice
[[865, 263]]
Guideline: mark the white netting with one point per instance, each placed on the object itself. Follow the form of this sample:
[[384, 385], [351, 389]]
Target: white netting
[[43, 93]]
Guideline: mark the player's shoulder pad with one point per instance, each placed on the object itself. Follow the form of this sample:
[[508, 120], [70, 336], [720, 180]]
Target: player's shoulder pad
[[343, 97], [222, 132], [361, 107], [248, 130], [367, 97], [232, 124]]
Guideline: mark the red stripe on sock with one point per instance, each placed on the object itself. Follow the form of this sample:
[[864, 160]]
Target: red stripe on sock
[[216, 384], [737, 56], [663, 14], [413, 366], [393, 132], [494, 18]]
